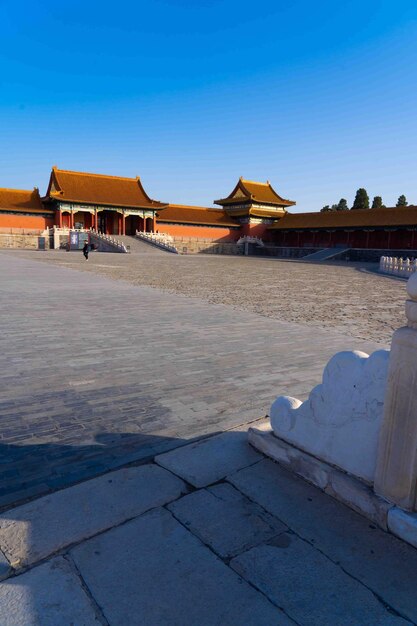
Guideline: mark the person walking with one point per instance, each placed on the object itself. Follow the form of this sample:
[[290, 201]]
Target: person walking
[[86, 250]]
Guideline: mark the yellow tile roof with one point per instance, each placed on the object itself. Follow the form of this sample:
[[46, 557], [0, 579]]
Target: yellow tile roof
[[21, 200], [359, 218], [99, 189], [183, 214], [256, 192]]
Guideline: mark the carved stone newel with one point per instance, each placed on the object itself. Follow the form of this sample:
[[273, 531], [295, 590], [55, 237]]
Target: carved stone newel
[[396, 469]]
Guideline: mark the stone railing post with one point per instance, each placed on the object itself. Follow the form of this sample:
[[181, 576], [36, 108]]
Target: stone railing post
[[396, 469]]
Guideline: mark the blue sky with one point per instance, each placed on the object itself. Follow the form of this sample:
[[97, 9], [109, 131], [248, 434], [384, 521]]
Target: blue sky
[[318, 97]]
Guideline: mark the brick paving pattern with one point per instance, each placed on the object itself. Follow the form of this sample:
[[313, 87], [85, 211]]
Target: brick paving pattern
[[97, 373]]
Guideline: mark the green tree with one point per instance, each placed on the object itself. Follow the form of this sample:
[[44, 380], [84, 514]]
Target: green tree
[[342, 205], [402, 201], [325, 209], [333, 207], [361, 199], [377, 202]]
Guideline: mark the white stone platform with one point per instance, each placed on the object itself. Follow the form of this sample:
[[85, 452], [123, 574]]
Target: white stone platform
[[346, 488]]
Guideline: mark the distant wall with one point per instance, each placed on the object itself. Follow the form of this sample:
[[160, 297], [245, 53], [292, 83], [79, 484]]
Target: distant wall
[[24, 222], [20, 241], [212, 233], [190, 245]]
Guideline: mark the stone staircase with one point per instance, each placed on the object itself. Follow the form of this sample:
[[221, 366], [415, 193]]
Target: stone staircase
[[139, 246], [325, 254]]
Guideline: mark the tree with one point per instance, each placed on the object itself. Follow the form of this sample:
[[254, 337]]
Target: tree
[[402, 201], [325, 209], [342, 206], [333, 207], [361, 199], [377, 202]]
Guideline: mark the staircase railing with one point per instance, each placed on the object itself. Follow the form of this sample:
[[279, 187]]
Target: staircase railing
[[397, 266], [119, 245], [159, 240]]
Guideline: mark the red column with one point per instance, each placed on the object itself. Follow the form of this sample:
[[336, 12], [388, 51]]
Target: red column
[[60, 219], [72, 219], [154, 223], [367, 239], [123, 224]]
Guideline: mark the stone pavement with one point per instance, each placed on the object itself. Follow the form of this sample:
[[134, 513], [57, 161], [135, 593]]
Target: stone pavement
[[97, 373], [253, 546]]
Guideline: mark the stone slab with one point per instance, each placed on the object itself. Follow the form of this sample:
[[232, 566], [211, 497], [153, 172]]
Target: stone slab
[[48, 595], [296, 460], [309, 587], [5, 568], [122, 391], [359, 497], [35, 530], [385, 564], [333, 481], [225, 520], [210, 460], [403, 524], [153, 571]]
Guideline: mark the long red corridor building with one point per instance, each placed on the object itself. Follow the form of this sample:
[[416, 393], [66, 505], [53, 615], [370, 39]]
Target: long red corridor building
[[116, 205]]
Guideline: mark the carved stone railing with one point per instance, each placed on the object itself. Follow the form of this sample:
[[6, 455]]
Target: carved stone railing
[[355, 436], [112, 243], [246, 240], [160, 240], [397, 266]]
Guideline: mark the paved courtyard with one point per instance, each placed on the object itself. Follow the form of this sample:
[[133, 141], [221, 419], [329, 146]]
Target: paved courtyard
[[97, 372], [212, 534]]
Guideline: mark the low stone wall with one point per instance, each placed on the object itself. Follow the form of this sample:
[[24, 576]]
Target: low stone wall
[[283, 252], [353, 254], [204, 246], [25, 241], [372, 255]]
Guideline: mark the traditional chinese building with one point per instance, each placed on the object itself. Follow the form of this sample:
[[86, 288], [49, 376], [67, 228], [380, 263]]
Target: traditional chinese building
[[386, 229], [111, 204], [23, 210], [255, 206], [200, 222], [116, 205]]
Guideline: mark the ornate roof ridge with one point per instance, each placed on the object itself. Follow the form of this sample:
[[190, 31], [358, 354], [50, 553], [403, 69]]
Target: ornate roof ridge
[[57, 170], [192, 206], [255, 182], [35, 189]]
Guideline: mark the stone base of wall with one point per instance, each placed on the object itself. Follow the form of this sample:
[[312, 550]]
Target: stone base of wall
[[205, 246], [353, 254], [373, 255], [343, 487], [25, 241], [281, 251]]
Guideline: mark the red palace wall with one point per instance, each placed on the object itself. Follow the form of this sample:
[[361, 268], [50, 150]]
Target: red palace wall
[[400, 239], [24, 222], [199, 232], [256, 230]]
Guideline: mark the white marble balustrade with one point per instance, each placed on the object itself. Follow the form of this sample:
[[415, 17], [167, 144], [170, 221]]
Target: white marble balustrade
[[397, 266]]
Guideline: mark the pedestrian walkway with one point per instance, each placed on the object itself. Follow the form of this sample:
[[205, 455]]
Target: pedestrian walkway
[[97, 373], [211, 534]]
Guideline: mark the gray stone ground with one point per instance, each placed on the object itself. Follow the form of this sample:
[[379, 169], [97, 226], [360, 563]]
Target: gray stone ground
[[96, 373], [259, 547]]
